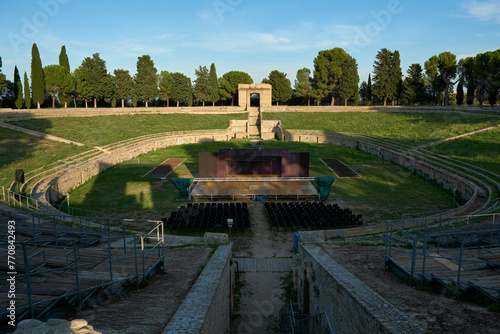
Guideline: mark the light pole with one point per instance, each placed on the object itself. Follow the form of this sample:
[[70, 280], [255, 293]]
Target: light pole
[[230, 224]]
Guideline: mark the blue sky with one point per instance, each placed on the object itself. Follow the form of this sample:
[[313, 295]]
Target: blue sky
[[252, 36]]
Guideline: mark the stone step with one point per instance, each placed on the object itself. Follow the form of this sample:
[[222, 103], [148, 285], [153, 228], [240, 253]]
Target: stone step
[[253, 120], [252, 130]]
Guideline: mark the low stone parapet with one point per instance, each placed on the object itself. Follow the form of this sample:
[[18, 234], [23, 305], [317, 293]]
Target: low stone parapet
[[351, 306], [207, 307]]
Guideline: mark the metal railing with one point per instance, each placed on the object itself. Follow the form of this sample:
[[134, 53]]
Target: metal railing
[[460, 244], [293, 323], [69, 236]]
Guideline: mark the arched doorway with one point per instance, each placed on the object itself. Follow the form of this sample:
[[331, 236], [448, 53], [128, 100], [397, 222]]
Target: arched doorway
[[255, 100], [245, 93]]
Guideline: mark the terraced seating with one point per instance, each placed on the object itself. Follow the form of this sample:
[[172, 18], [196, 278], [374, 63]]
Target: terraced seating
[[310, 215], [209, 216]]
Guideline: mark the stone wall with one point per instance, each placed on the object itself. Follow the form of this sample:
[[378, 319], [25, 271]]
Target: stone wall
[[351, 306], [207, 307], [439, 109]]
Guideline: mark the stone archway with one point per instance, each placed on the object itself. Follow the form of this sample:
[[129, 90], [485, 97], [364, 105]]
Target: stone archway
[[245, 90]]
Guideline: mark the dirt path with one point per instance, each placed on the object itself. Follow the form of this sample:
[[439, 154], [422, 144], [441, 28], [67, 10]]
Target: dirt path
[[148, 310], [261, 287]]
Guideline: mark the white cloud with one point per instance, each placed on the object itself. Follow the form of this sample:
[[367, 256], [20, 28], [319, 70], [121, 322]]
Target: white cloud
[[248, 42], [486, 10]]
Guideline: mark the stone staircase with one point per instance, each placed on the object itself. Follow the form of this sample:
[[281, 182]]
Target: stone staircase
[[254, 128]]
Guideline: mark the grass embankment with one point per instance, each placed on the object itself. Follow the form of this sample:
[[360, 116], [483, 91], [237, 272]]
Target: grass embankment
[[22, 151], [482, 150], [383, 192], [407, 128], [103, 130]]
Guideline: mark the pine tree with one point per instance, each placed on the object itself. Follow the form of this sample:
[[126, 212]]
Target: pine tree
[[327, 72], [303, 85], [228, 84], [63, 58], [414, 88], [282, 88], [181, 87], [58, 82], [27, 92], [348, 82], [202, 88], [18, 89], [165, 86], [387, 76], [37, 77], [95, 82], [124, 85], [146, 86], [214, 85], [460, 93]]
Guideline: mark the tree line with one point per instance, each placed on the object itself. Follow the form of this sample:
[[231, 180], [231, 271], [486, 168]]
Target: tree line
[[334, 80], [435, 82]]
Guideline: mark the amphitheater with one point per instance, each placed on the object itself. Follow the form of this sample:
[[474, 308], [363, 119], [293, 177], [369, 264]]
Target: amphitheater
[[69, 261]]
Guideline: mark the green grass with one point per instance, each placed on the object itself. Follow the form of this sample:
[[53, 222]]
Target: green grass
[[22, 151], [383, 192], [407, 128], [482, 150], [103, 130]]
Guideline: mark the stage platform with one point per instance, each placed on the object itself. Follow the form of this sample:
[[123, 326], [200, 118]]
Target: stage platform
[[248, 188]]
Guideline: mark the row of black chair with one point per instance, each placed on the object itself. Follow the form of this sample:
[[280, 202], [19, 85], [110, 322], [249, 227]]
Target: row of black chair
[[311, 215], [209, 215]]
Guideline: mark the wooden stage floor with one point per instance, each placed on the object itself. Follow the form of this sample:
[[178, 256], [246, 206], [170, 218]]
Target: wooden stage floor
[[296, 189]]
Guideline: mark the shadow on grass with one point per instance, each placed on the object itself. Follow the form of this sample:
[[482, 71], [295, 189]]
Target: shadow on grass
[[22, 151]]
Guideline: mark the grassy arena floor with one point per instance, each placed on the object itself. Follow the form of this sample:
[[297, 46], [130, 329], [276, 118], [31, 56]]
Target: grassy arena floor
[[384, 191]]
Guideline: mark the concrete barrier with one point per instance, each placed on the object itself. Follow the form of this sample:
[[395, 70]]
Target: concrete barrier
[[207, 307], [352, 307]]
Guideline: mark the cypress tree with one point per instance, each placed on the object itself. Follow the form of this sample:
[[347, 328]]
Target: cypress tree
[[27, 92], [2, 77], [460, 93], [18, 89], [190, 95], [63, 58], [369, 89], [37, 77], [214, 85]]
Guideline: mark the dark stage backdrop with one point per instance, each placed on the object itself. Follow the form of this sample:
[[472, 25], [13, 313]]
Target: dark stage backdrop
[[253, 162]]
